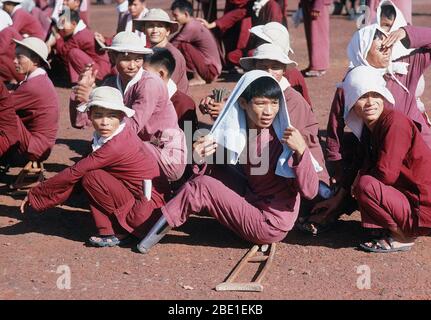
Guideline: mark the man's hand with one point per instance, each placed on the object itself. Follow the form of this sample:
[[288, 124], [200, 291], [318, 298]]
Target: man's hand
[[209, 106], [294, 140], [99, 37], [202, 148], [394, 37], [207, 24], [85, 84]]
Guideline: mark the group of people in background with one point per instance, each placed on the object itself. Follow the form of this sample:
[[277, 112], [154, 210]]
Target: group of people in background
[[260, 170]]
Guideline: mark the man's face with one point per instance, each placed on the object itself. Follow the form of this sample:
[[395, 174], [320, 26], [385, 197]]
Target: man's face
[[369, 107], [179, 16], [72, 4], [156, 31], [386, 24], [22, 62], [261, 111], [105, 121], [275, 68], [128, 65], [379, 57], [66, 27], [136, 8]]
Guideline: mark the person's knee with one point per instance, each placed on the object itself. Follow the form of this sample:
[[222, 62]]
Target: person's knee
[[91, 178], [366, 188], [205, 182]]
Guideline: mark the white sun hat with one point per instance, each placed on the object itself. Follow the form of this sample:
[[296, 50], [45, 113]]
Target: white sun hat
[[159, 15], [13, 1], [359, 81], [128, 42], [108, 98], [275, 33], [266, 51], [37, 46]]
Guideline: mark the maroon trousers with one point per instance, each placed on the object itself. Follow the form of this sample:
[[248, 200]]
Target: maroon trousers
[[107, 195], [317, 34], [76, 62], [385, 207], [224, 204], [195, 62]]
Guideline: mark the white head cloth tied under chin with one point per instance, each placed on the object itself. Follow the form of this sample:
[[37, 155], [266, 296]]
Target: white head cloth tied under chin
[[359, 81], [230, 128], [360, 45], [258, 5], [398, 51]]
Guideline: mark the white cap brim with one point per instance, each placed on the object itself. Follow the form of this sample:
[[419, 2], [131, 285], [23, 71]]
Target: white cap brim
[[107, 105], [248, 62], [129, 49]]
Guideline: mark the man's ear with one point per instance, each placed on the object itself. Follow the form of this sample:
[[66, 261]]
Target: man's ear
[[243, 103]]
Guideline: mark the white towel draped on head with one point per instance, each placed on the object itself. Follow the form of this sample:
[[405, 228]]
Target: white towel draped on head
[[359, 81], [230, 128], [360, 45], [398, 50]]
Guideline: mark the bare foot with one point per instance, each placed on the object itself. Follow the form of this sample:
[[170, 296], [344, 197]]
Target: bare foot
[[196, 82]]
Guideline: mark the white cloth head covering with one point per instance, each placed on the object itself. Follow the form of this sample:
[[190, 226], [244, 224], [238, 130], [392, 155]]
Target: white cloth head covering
[[359, 81], [5, 20], [230, 128], [358, 48], [398, 50]]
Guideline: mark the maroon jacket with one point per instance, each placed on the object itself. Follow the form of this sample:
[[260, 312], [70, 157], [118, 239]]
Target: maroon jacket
[[179, 76], [25, 23], [85, 41], [8, 119], [399, 157], [38, 112], [125, 158], [185, 108], [297, 81]]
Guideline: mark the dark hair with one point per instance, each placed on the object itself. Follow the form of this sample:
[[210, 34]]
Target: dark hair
[[388, 11], [378, 35], [183, 6], [73, 15], [262, 87], [131, 1], [161, 57]]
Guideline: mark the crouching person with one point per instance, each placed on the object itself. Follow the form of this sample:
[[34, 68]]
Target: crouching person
[[120, 176], [254, 128], [393, 186]]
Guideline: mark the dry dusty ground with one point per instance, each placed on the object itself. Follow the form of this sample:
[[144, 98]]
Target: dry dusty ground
[[193, 259]]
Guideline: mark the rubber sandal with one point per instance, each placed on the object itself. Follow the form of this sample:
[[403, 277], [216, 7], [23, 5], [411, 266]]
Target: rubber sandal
[[104, 241], [381, 246]]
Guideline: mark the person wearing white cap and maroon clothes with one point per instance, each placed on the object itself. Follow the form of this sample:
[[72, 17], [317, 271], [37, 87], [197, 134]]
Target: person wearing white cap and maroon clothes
[[75, 45], [155, 120], [8, 132], [405, 7], [37, 110], [393, 185], [197, 44], [23, 21], [120, 176], [157, 26], [7, 50]]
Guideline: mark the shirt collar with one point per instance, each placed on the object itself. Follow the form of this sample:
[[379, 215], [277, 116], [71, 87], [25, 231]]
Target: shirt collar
[[99, 141], [134, 80], [79, 27]]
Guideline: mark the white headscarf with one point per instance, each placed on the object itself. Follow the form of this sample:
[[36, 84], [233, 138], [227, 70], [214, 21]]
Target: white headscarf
[[358, 82], [360, 45], [230, 128], [398, 50], [5, 20]]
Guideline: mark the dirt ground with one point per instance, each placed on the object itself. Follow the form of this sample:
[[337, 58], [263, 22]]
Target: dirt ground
[[38, 250]]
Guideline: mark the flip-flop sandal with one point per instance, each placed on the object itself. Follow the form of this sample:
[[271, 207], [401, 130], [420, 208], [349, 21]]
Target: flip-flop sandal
[[315, 228], [380, 246], [104, 241]]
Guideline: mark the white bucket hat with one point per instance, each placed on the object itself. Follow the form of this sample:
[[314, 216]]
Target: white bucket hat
[[359, 81], [108, 98], [13, 1], [37, 46], [266, 51], [5, 20], [156, 15], [275, 33], [129, 42]]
